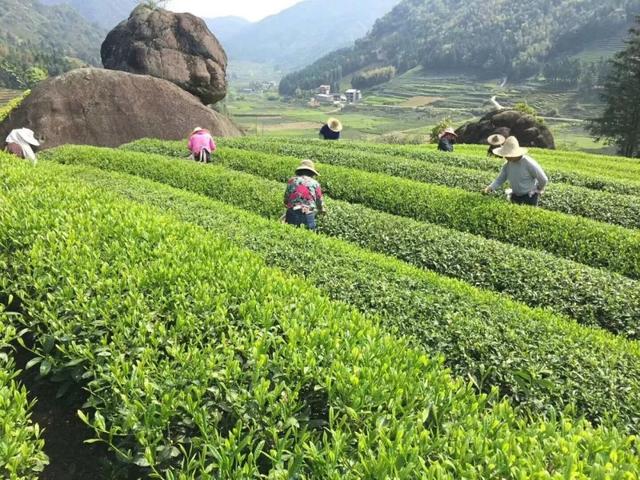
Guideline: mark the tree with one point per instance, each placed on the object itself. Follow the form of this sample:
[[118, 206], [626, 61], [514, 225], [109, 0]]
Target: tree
[[620, 122], [35, 75]]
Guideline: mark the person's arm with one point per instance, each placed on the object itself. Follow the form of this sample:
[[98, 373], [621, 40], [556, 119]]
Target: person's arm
[[320, 199], [536, 171], [287, 193], [212, 145], [498, 182]]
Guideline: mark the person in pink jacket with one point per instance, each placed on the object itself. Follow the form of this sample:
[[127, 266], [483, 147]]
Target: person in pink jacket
[[201, 145]]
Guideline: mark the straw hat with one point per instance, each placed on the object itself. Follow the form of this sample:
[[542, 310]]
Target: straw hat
[[307, 165], [198, 129], [334, 125], [510, 149], [448, 130], [496, 140]]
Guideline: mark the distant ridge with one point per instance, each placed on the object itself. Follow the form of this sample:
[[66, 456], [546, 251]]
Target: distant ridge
[[302, 33], [485, 37]]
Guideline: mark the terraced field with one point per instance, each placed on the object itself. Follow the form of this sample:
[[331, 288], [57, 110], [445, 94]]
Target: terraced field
[[426, 330], [7, 95]]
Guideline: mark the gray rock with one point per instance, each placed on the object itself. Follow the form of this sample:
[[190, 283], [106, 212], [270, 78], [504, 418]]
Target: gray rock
[[177, 47], [108, 108], [529, 132]]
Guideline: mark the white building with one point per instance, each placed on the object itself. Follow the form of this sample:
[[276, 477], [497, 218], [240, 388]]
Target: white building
[[353, 95], [324, 89]]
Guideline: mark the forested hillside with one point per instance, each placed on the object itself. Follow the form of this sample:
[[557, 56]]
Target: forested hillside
[[305, 32], [486, 37], [38, 40], [106, 13]]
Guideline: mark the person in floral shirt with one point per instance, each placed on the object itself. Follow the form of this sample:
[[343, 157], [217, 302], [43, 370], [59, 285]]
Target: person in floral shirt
[[303, 197]]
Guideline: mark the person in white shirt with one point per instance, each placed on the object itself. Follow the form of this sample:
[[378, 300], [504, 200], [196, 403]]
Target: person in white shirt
[[526, 177]]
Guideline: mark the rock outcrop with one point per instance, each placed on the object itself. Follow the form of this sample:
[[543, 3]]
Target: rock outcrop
[[526, 128], [177, 47], [108, 108]]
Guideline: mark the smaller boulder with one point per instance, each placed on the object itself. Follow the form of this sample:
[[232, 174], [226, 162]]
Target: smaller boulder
[[177, 47], [524, 127]]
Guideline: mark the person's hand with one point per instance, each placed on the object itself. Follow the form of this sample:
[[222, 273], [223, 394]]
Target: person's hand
[[488, 190]]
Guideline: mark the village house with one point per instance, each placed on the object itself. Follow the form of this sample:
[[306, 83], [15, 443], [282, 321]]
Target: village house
[[353, 95]]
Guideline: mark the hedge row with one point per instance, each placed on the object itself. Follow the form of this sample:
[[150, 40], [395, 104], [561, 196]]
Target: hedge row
[[21, 446], [606, 207], [592, 296], [611, 166], [204, 363], [579, 239], [543, 362], [595, 180]]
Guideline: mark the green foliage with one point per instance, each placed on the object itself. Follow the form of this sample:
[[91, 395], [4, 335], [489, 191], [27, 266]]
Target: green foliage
[[6, 110], [488, 38], [620, 122], [609, 174], [35, 75], [483, 336], [21, 446], [371, 78], [37, 41], [203, 362], [606, 207], [574, 238], [537, 279], [439, 128], [527, 109]]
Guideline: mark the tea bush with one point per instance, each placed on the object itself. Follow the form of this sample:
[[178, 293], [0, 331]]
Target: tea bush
[[582, 240], [543, 362], [21, 446], [606, 207], [574, 168], [593, 296], [202, 362]]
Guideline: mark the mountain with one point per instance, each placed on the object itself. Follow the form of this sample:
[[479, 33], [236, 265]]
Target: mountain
[[37, 40], [305, 32], [485, 37], [225, 28], [106, 13]]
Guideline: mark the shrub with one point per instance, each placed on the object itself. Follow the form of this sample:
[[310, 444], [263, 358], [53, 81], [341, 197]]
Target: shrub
[[541, 361], [21, 446], [203, 362], [623, 210], [578, 239]]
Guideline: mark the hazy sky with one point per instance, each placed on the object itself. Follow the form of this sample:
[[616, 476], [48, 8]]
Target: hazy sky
[[249, 9]]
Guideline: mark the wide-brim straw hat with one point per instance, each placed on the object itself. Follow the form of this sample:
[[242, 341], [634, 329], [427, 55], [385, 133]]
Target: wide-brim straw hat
[[334, 125], [198, 129], [449, 130], [510, 149], [307, 165], [496, 140]]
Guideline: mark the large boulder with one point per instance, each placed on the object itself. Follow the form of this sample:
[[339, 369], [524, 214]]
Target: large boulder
[[174, 46], [526, 128], [108, 108]]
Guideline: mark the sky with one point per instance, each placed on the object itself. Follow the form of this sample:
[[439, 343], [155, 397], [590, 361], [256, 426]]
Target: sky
[[250, 9]]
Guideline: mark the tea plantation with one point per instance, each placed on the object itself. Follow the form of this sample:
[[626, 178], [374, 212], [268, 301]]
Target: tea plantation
[[426, 331]]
